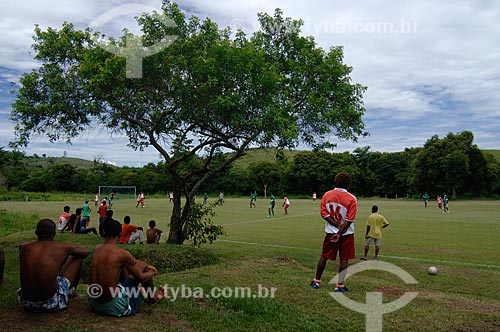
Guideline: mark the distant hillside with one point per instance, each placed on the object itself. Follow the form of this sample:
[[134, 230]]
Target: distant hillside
[[45, 162], [253, 155], [256, 155], [495, 153]]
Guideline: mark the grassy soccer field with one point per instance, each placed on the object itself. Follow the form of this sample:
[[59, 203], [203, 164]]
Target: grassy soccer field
[[279, 255]]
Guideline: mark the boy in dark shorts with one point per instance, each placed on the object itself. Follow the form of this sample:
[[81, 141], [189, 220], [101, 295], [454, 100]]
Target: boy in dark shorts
[[338, 208]]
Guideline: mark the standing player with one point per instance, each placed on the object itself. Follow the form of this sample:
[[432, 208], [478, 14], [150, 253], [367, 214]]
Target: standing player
[[314, 197], [426, 199], [103, 213], [439, 201], [171, 197], [253, 198], [272, 203], [96, 199], [111, 198], [286, 204], [338, 207], [445, 203], [86, 212], [374, 225], [140, 200]]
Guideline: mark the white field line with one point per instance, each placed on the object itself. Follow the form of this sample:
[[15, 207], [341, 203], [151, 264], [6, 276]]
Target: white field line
[[269, 219], [477, 265]]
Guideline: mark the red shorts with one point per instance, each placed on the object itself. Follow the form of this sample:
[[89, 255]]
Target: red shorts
[[345, 247]]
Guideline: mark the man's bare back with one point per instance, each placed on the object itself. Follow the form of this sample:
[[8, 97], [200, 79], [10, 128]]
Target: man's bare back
[[42, 261], [112, 266]]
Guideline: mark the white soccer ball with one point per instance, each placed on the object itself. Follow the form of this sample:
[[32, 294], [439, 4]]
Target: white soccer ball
[[432, 270]]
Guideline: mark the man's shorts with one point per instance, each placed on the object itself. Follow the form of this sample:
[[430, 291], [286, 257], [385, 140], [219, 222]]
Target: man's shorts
[[371, 240], [344, 247], [58, 302], [126, 303]]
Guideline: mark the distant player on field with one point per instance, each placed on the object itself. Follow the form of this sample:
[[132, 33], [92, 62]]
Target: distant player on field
[[439, 201], [272, 203], [253, 198], [445, 203], [426, 199], [374, 225], [286, 204]]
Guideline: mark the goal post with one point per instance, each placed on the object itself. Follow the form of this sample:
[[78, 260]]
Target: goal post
[[119, 191]]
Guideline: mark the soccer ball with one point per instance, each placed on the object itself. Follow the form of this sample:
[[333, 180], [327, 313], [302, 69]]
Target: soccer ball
[[432, 270]]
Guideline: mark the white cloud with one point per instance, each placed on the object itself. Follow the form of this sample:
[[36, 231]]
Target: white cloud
[[437, 71]]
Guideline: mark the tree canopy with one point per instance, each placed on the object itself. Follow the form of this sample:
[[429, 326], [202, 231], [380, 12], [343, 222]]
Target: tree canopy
[[211, 91]]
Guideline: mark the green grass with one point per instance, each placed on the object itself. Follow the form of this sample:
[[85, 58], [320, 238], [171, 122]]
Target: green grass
[[263, 253]]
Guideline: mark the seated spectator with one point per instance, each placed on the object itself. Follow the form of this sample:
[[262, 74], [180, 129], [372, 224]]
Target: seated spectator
[[153, 234], [131, 233], [64, 220], [49, 270], [120, 276], [81, 225]]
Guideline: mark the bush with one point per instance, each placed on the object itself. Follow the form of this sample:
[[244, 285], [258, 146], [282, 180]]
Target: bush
[[165, 257]]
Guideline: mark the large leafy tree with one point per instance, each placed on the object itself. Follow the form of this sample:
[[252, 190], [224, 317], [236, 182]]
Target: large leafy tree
[[209, 91], [453, 164]]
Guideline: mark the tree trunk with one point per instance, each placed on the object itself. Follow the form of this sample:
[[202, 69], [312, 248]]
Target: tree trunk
[[176, 235]]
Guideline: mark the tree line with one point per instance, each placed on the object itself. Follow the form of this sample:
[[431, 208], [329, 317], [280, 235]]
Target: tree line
[[452, 164]]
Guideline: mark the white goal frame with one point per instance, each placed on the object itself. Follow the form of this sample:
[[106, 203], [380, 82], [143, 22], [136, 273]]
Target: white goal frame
[[106, 190]]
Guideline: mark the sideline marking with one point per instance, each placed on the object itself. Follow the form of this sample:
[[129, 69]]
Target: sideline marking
[[489, 266]]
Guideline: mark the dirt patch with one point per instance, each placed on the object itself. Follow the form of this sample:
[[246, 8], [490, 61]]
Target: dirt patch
[[79, 317]]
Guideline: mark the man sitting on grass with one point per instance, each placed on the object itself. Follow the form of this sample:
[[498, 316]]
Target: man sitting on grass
[[153, 234], [116, 274], [131, 233], [50, 270]]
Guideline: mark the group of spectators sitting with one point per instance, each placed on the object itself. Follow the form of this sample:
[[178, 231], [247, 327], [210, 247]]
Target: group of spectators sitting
[[78, 223]]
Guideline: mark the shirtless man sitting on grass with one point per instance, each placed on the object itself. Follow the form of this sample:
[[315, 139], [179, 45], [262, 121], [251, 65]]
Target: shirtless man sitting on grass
[[50, 270], [115, 277]]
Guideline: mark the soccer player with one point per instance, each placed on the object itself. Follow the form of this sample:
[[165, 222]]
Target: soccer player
[[374, 225], [426, 199], [286, 204], [86, 211], [338, 208], [111, 198], [96, 199], [253, 198], [439, 201], [103, 213], [314, 197], [272, 203], [445, 203], [49, 270], [205, 198]]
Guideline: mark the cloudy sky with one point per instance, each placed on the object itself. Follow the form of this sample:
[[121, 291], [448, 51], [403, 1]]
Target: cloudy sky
[[431, 67]]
